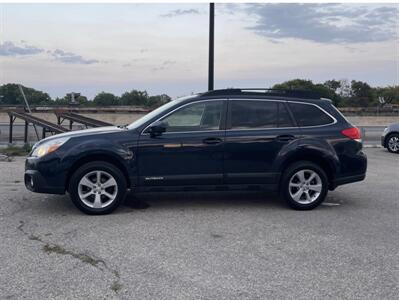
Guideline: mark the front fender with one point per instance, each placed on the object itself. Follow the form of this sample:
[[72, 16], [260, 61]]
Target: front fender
[[97, 147]]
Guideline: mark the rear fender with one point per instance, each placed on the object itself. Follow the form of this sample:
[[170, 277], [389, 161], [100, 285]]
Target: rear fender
[[314, 150]]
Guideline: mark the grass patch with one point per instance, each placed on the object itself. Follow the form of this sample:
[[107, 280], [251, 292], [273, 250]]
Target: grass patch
[[216, 236], [16, 151], [81, 256], [116, 286], [54, 249]]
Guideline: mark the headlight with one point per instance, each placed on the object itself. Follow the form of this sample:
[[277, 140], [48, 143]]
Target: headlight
[[48, 147], [385, 129]]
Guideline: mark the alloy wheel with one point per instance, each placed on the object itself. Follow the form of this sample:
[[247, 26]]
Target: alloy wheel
[[97, 189], [305, 186], [393, 144]]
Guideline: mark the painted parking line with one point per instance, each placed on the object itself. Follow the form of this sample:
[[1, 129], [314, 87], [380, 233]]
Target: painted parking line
[[330, 204]]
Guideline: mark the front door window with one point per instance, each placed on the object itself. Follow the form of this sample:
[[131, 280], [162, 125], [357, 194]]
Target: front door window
[[202, 116]]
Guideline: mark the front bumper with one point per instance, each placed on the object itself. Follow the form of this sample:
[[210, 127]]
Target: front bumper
[[35, 182], [384, 137], [383, 141], [45, 175]]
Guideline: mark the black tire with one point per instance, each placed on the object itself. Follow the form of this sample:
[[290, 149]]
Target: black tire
[[392, 136], [108, 169], [288, 176]]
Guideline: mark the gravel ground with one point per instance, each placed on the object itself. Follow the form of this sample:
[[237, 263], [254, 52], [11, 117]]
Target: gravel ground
[[204, 246]]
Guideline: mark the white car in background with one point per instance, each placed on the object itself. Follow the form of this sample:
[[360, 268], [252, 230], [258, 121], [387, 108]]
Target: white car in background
[[390, 138]]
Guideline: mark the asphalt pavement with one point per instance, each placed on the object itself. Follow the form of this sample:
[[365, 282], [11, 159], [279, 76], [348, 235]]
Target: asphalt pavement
[[204, 246]]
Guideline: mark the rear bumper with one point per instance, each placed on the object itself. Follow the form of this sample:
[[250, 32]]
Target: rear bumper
[[355, 170], [346, 180], [35, 182]]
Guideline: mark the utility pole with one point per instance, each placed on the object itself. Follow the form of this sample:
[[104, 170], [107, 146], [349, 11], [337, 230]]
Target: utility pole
[[211, 45]]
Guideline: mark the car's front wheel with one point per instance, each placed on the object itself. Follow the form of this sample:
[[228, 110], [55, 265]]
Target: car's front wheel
[[97, 188], [304, 185], [393, 143]]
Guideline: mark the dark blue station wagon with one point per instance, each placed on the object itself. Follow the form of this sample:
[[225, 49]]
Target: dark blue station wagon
[[221, 140]]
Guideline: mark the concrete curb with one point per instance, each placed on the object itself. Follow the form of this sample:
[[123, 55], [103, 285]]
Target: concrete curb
[[372, 146]]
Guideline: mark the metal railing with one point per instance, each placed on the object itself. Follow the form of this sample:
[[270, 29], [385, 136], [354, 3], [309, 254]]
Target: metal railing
[[72, 117], [30, 119]]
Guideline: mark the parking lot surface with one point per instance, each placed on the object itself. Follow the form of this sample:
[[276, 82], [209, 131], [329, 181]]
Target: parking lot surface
[[204, 246]]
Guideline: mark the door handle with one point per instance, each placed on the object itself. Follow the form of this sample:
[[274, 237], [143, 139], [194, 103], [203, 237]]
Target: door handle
[[212, 141], [285, 138]]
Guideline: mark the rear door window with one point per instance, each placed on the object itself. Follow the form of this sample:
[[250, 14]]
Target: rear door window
[[284, 118], [309, 115], [248, 114]]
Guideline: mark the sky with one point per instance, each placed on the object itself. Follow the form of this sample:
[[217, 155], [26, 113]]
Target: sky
[[163, 48]]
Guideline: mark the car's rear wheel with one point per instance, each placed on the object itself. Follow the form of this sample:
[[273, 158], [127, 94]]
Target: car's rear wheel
[[304, 185], [393, 143], [97, 188]]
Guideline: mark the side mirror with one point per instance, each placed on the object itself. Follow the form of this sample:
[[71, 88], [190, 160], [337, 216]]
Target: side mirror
[[157, 129]]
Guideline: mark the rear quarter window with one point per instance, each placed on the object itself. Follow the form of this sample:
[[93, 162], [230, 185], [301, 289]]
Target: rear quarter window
[[309, 115]]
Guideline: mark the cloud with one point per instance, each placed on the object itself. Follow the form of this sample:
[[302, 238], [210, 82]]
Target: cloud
[[71, 58], [325, 23], [165, 65], [8, 48], [133, 62], [274, 41], [180, 12]]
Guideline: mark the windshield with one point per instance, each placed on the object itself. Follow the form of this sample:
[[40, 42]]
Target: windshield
[[157, 111]]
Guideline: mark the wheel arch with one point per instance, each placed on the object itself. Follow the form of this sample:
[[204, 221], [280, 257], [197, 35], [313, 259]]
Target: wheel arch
[[97, 157], [388, 136], [321, 159]]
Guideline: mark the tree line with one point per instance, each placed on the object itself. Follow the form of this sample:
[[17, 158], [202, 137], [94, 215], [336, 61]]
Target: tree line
[[343, 93], [11, 95]]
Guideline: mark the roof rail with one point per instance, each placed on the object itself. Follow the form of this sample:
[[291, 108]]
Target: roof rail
[[264, 92]]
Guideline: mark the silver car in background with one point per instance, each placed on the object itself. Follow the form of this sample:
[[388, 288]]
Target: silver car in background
[[390, 138]]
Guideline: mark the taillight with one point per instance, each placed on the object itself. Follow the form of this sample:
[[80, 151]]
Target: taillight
[[352, 133]]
